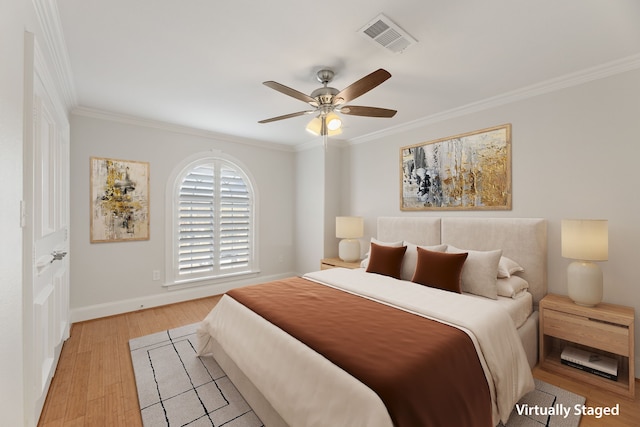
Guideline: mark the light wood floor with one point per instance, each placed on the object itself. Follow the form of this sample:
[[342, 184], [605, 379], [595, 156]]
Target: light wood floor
[[94, 383]]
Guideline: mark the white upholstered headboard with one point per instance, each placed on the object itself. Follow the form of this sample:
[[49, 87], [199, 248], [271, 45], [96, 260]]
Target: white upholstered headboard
[[522, 239]]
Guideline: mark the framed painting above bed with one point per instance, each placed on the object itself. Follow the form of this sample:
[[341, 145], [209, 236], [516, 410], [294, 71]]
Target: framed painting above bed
[[471, 171]]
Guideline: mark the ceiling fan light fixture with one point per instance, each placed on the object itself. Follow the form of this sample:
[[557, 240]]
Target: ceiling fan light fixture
[[334, 125], [314, 126]]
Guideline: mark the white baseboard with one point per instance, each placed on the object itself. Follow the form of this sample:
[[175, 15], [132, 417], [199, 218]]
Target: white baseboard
[[81, 314]]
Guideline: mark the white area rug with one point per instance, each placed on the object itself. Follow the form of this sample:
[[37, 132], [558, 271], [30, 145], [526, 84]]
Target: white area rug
[[177, 388], [545, 397]]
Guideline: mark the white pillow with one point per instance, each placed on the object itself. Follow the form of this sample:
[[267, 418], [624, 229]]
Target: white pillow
[[480, 272], [410, 259], [512, 287], [507, 267], [365, 261]]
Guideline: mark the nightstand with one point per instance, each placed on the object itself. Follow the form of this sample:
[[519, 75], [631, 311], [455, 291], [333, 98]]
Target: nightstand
[[606, 329], [327, 263]]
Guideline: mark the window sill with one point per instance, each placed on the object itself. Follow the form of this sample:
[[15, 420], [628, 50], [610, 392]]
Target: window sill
[[206, 281]]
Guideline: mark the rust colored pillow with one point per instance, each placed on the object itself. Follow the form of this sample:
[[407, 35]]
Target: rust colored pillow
[[439, 269], [386, 260]]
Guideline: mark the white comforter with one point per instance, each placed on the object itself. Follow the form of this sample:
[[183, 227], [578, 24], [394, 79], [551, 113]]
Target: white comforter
[[302, 385]]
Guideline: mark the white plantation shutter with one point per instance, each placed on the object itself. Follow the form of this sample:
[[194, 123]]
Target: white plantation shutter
[[234, 220], [215, 221], [196, 221]]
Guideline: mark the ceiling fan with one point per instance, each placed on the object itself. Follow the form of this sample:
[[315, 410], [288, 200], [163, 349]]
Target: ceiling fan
[[327, 101]]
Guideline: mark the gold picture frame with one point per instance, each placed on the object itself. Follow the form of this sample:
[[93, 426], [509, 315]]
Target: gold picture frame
[[471, 171], [119, 200]]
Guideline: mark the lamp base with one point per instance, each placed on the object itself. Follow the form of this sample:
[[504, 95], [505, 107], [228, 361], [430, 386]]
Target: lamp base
[[584, 283], [349, 250]]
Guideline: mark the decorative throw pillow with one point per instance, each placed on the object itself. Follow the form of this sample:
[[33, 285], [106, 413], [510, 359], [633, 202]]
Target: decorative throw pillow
[[411, 258], [507, 267], [480, 272], [365, 261], [439, 269], [386, 260], [511, 287]]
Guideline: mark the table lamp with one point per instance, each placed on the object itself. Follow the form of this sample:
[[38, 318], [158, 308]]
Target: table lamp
[[349, 229], [585, 241]]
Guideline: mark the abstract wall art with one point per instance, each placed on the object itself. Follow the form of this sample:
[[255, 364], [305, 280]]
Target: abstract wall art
[[471, 171], [119, 200]]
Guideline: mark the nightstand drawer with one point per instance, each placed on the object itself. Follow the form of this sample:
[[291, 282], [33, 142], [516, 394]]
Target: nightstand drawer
[[582, 330]]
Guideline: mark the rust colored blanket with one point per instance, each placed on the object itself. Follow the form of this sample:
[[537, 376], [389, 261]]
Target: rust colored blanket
[[425, 372]]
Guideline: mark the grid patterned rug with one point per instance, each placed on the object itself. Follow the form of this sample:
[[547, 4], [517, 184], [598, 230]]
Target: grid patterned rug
[[177, 388], [546, 396]]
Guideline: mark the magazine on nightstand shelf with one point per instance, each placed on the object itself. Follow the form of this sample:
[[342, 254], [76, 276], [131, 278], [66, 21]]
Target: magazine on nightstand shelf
[[587, 361]]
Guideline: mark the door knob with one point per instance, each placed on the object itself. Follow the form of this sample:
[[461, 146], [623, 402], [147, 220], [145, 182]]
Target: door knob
[[58, 255]]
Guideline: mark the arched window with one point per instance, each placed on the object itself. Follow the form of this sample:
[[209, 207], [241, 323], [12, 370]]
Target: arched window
[[213, 225]]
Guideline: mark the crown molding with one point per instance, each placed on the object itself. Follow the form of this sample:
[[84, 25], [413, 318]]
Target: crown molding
[[49, 19], [569, 80], [171, 127]]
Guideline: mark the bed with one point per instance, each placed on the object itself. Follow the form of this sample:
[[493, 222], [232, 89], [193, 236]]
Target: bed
[[289, 383]]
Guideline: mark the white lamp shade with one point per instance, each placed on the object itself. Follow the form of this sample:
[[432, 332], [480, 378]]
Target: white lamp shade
[[349, 227], [585, 239]]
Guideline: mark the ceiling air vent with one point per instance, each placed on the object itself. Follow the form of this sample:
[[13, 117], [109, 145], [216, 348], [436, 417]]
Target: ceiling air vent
[[387, 34]]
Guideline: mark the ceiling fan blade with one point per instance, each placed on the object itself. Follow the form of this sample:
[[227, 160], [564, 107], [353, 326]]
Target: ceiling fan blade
[[355, 110], [361, 87], [286, 116], [291, 92]]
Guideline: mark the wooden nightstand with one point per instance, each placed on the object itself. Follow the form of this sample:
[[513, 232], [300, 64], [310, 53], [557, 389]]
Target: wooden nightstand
[[605, 328], [327, 263]]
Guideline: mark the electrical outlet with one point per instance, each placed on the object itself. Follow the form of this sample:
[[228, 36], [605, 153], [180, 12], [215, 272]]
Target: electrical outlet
[[156, 274]]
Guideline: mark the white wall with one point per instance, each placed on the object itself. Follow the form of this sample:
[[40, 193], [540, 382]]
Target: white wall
[[310, 209], [12, 25], [320, 183], [108, 278], [336, 182], [575, 154]]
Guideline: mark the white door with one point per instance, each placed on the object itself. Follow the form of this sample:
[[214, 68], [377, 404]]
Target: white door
[[46, 230]]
